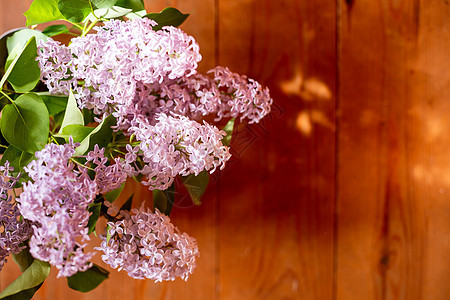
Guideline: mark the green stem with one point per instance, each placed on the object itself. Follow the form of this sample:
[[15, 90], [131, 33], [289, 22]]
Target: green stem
[[53, 138], [76, 25], [89, 28], [7, 96], [80, 164]]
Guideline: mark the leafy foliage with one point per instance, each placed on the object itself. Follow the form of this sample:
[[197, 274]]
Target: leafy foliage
[[25, 123], [56, 29], [28, 282], [22, 66], [168, 17], [196, 185], [30, 117], [73, 115], [42, 11], [164, 200], [23, 259], [229, 131], [95, 210], [88, 280], [114, 194]]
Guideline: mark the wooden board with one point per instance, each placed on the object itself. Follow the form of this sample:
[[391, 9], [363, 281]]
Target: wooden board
[[393, 203], [277, 195], [343, 191]]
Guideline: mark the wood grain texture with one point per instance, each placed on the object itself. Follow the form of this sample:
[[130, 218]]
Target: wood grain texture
[[343, 191], [393, 208], [277, 196]]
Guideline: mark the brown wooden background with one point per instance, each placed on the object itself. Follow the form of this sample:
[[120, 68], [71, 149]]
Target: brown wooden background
[[344, 191]]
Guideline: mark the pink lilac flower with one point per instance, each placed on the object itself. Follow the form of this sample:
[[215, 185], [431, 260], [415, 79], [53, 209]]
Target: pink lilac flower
[[226, 95], [246, 97], [57, 200], [14, 231], [55, 61], [176, 145], [107, 177], [108, 65], [147, 245]]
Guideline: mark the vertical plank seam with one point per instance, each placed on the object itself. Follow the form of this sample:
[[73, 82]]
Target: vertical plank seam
[[337, 116]]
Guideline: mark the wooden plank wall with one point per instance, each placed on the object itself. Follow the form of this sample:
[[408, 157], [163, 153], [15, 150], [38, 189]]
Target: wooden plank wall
[[343, 191]]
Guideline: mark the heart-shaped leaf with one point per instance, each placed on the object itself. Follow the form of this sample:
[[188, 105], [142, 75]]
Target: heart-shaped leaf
[[25, 123], [168, 17], [26, 283], [42, 11], [88, 280], [22, 68], [75, 10]]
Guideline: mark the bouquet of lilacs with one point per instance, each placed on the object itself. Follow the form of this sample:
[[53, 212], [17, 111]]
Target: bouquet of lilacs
[[122, 99]]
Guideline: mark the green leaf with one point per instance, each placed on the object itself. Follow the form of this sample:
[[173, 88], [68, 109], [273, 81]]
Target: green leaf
[[22, 68], [3, 48], [12, 154], [88, 280], [25, 159], [53, 30], [55, 103], [196, 185], [25, 123], [163, 200], [21, 38], [135, 5], [42, 11], [167, 17], [73, 114], [114, 194], [100, 136], [109, 13], [17, 159], [31, 278], [229, 131], [108, 235], [75, 10], [88, 116], [24, 295], [103, 3], [136, 15], [23, 259], [95, 210], [127, 205], [78, 132]]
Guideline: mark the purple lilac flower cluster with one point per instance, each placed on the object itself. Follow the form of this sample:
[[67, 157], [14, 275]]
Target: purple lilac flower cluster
[[176, 145], [148, 80], [227, 94], [14, 231], [147, 245], [57, 201], [109, 177], [103, 68]]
